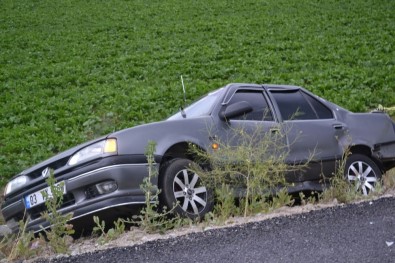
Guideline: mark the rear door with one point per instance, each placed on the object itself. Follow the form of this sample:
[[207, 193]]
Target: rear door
[[313, 134]]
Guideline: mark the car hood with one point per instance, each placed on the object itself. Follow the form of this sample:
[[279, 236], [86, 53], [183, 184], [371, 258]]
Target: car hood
[[58, 160], [134, 140]]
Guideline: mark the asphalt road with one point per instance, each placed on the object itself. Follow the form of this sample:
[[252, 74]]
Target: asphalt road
[[353, 233]]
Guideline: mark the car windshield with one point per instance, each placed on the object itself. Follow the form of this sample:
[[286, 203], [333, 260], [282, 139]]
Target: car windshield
[[199, 108]]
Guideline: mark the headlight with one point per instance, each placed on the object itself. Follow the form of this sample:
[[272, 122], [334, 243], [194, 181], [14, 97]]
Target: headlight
[[94, 151], [15, 184]]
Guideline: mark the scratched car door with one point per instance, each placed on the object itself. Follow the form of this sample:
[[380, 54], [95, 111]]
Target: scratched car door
[[313, 133]]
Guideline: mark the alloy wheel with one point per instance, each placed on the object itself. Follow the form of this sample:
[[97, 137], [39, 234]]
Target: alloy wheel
[[363, 175], [189, 192]]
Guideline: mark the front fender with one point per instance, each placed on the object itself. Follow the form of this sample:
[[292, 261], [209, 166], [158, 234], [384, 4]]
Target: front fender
[[165, 134]]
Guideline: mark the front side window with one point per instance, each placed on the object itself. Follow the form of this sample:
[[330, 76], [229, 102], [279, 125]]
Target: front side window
[[260, 109]]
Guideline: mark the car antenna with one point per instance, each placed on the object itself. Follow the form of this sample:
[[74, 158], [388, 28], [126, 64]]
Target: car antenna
[[183, 114]]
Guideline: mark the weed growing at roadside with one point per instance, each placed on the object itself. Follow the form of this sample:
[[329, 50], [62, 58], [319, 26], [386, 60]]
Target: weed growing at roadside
[[151, 219], [270, 202], [225, 206], [59, 234], [389, 179], [23, 245], [112, 233], [251, 170], [340, 188], [282, 198], [311, 198]]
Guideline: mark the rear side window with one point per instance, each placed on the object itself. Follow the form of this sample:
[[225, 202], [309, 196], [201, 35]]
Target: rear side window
[[293, 106], [260, 112], [296, 105], [322, 111]]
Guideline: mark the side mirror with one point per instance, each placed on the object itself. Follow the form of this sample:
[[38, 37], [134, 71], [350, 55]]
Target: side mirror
[[235, 110]]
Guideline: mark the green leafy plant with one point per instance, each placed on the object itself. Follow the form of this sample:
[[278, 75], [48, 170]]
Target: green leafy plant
[[253, 169], [60, 230], [25, 244], [110, 234], [22, 245], [152, 218], [309, 198], [282, 198], [225, 203], [339, 187], [18, 246]]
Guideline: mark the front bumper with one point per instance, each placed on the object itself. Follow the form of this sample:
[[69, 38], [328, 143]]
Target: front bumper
[[81, 199]]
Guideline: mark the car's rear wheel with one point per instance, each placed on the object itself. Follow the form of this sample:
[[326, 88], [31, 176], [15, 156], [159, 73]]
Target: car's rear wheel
[[363, 172], [184, 189]]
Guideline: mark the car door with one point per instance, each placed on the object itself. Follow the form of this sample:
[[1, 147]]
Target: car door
[[252, 127], [313, 134]]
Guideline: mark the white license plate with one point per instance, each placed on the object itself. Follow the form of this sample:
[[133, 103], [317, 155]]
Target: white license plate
[[37, 198]]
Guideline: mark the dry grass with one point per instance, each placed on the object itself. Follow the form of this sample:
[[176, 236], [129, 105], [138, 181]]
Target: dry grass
[[389, 180]]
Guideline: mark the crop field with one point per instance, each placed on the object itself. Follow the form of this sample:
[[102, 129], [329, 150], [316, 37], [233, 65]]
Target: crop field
[[73, 70]]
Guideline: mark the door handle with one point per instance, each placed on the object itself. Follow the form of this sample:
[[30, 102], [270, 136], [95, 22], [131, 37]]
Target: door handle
[[338, 126]]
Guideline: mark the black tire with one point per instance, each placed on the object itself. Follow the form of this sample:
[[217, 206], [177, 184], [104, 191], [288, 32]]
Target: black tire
[[183, 187], [363, 172]]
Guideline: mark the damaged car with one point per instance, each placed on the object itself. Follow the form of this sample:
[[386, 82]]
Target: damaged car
[[107, 172]]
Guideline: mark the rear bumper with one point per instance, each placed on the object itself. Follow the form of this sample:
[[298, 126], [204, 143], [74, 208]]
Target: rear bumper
[[81, 199]]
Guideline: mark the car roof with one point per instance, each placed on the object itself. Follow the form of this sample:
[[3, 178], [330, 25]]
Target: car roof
[[260, 86], [231, 88]]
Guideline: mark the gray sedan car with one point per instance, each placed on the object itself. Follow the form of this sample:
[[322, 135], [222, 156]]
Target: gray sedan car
[[107, 172]]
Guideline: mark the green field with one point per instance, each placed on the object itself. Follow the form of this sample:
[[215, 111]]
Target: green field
[[74, 70]]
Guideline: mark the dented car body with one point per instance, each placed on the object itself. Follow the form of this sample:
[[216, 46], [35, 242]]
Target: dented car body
[[107, 172]]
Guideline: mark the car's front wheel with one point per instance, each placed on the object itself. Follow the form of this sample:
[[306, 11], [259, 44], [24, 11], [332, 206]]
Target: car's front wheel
[[184, 189], [363, 172]]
